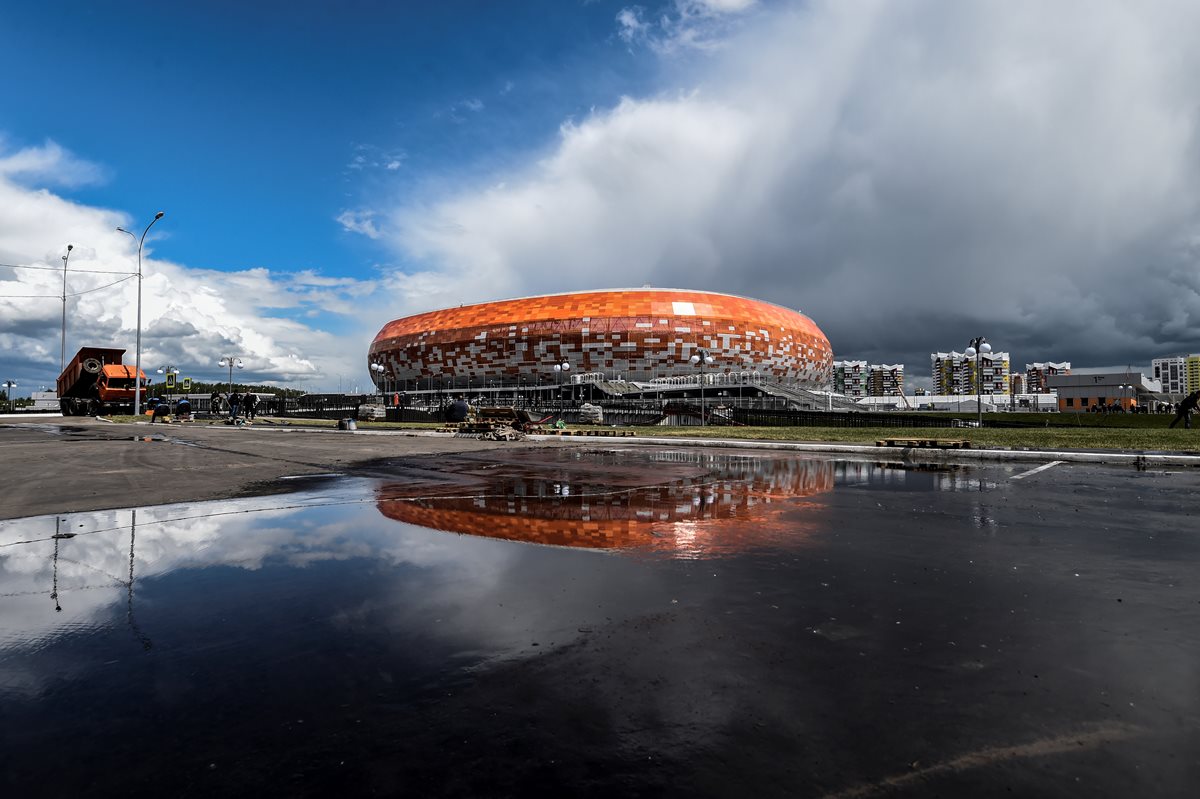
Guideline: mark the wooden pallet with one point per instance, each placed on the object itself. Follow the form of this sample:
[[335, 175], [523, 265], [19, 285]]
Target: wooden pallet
[[926, 443]]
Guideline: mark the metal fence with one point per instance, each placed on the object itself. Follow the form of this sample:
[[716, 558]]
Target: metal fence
[[759, 411], [789, 418]]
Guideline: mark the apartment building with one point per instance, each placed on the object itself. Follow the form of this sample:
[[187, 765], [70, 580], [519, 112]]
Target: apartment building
[[954, 373], [1037, 375], [1179, 374], [851, 378], [885, 379]]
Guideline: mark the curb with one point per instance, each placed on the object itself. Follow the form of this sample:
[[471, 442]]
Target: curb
[[927, 454]]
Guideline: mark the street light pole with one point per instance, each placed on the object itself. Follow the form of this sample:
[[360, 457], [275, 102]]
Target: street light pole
[[137, 366], [168, 370], [9, 385], [379, 369], [976, 349], [231, 361], [702, 359], [559, 368], [62, 358]]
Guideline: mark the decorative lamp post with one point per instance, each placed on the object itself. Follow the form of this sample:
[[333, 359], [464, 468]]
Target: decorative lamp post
[[62, 358], [137, 366], [168, 370], [559, 368], [977, 349], [379, 369], [9, 385], [231, 361], [1125, 387], [702, 359]]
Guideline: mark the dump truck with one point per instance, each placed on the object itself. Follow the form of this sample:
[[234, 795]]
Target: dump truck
[[96, 381]]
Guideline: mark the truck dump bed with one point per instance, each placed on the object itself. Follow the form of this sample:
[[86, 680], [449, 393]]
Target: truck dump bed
[[83, 370]]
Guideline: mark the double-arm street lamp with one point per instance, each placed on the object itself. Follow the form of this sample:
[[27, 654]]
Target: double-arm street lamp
[[977, 349], [379, 369], [137, 365], [9, 385], [702, 359], [168, 370], [231, 361], [559, 368], [62, 358]]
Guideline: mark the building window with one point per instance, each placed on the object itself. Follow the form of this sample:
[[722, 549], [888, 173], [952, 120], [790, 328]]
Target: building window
[[1070, 402]]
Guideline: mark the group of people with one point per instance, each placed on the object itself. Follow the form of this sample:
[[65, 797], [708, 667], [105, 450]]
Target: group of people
[[161, 409], [244, 405]]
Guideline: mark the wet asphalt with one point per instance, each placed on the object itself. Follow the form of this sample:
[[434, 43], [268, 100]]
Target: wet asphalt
[[612, 621], [81, 464]]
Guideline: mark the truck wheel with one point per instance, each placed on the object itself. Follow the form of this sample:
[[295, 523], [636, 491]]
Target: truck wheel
[[93, 408], [91, 366]]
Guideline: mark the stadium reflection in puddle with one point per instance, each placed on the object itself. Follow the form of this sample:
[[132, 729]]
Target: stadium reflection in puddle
[[733, 502], [792, 622]]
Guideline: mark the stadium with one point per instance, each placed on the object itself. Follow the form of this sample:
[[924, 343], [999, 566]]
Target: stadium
[[630, 335]]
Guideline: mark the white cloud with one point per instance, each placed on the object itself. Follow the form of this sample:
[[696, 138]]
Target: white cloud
[[48, 164], [631, 25], [909, 174], [370, 156], [359, 222], [190, 316], [686, 25]]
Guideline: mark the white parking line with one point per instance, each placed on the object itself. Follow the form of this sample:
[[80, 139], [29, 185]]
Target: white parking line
[[1038, 469]]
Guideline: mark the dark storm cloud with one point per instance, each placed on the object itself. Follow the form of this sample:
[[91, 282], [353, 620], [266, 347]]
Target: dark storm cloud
[[909, 175]]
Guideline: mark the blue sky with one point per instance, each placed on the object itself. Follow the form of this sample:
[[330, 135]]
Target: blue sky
[[243, 119], [910, 175]]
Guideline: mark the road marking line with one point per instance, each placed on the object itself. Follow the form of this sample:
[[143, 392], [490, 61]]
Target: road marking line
[[1035, 471]]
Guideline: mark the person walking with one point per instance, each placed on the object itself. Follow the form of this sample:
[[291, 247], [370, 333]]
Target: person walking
[[1185, 410], [251, 403], [235, 404]]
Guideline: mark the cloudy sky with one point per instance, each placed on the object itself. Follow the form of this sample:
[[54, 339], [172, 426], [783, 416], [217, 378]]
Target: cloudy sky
[[908, 174]]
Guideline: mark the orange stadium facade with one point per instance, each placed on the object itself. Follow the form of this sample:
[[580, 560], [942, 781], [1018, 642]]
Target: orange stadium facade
[[635, 334]]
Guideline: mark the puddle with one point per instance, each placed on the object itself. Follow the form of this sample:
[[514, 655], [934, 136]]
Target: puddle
[[733, 503], [611, 622]]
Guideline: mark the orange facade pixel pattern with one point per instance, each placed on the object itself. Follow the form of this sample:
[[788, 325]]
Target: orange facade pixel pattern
[[640, 334]]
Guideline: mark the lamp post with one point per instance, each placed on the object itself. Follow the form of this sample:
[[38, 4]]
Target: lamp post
[[137, 365], [702, 359], [62, 358], [1125, 387], [977, 349], [559, 368], [231, 361], [379, 369], [9, 385], [168, 370]]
